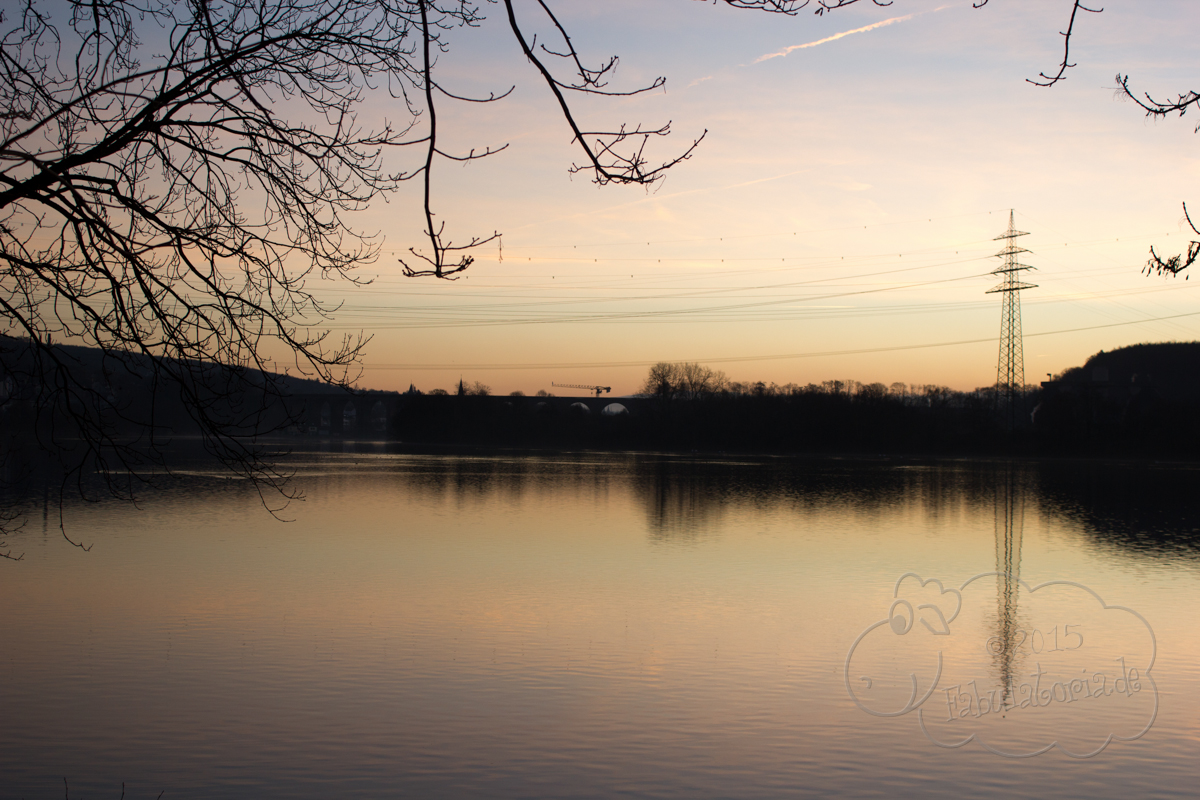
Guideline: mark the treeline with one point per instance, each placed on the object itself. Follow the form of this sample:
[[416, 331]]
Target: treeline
[[834, 416], [1104, 408], [691, 407], [689, 380], [1138, 400], [688, 406]]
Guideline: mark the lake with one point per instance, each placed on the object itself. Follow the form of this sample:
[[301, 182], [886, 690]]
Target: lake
[[596, 625]]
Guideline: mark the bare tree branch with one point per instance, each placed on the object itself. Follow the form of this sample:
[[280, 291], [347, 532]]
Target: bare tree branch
[[166, 200], [832, 5], [124, 221], [1050, 80], [439, 266], [606, 159], [1176, 264], [1156, 108]]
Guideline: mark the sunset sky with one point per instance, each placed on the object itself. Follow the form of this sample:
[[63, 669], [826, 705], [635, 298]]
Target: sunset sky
[[836, 222]]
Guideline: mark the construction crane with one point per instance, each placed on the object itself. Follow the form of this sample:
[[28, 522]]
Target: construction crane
[[596, 389]]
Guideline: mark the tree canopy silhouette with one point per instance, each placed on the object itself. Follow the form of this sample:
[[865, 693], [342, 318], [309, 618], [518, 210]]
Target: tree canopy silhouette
[[172, 174]]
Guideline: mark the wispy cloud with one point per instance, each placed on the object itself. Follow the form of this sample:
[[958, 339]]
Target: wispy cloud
[[835, 37]]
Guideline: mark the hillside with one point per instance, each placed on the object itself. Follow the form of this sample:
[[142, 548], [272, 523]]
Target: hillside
[[1172, 368], [14, 361]]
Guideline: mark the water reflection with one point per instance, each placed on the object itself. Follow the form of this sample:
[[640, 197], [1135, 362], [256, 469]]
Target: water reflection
[[1145, 510], [1009, 509], [506, 626], [683, 498], [683, 501]]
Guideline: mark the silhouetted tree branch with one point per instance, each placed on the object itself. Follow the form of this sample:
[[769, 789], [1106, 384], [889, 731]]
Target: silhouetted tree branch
[[1172, 265], [172, 174], [1177, 263], [1046, 80], [1050, 80], [832, 5], [124, 178], [606, 158], [156, 203], [617, 155], [1156, 108], [441, 251]]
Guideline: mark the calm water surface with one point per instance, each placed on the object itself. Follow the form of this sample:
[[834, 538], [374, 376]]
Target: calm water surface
[[612, 626]]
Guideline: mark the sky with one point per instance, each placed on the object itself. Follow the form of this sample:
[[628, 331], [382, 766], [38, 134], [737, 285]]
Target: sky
[[836, 222]]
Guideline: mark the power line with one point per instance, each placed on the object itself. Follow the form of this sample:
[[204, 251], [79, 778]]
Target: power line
[[740, 236], [778, 357], [632, 315]]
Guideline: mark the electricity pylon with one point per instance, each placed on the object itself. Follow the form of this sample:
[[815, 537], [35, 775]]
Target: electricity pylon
[[1010, 370]]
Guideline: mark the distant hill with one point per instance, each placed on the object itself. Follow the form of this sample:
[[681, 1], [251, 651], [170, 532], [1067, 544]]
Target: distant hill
[[1171, 368], [92, 360]]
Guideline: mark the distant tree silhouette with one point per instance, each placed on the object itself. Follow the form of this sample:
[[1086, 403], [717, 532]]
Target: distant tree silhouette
[[683, 380]]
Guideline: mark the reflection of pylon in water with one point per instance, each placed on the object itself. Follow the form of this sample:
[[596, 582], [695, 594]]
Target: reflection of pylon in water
[[1010, 521], [1010, 369]]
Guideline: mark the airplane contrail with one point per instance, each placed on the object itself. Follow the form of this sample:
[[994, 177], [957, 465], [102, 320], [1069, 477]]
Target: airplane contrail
[[835, 37]]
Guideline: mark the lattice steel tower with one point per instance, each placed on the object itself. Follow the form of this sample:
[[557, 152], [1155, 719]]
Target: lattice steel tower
[[1010, 371]]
